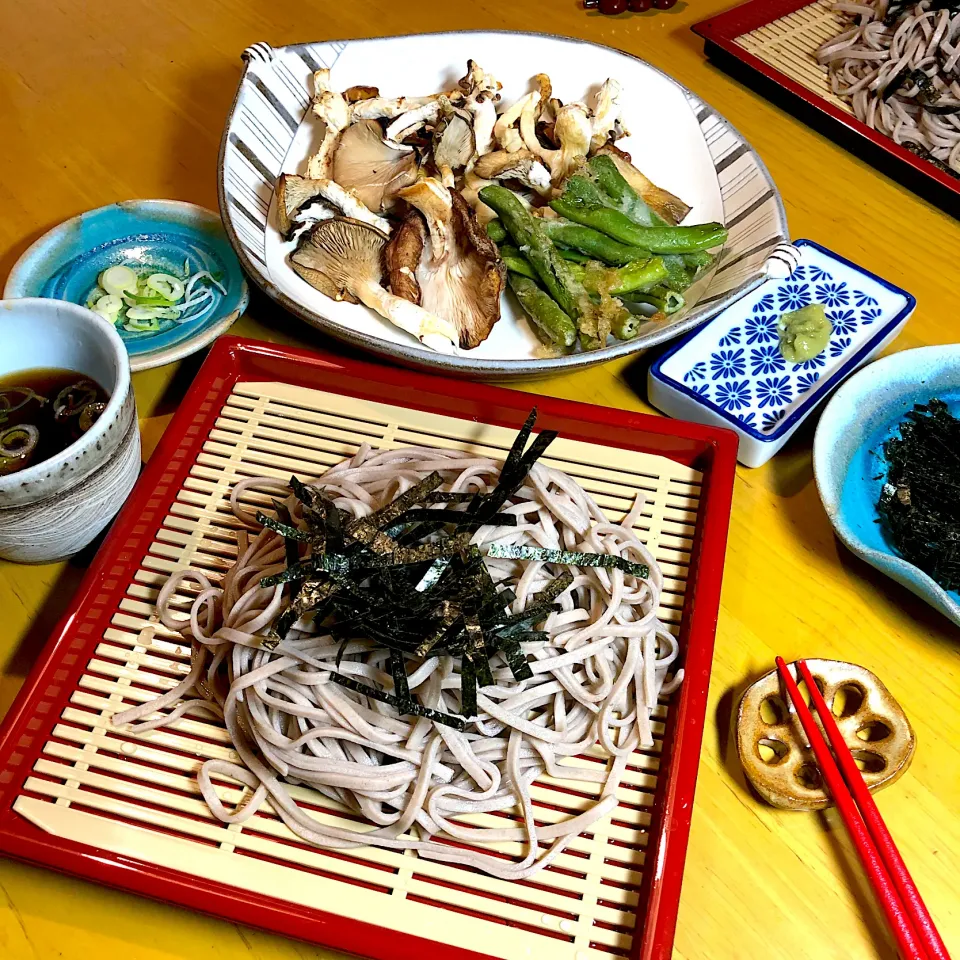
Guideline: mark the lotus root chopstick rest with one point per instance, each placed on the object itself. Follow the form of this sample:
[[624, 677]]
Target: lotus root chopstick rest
[[774, 751]]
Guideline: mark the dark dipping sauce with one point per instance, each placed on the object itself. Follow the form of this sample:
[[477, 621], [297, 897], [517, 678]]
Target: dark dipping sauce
[[42, 411]]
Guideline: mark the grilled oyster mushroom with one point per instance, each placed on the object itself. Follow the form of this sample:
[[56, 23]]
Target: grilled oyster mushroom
[[661, 202], [387, 108], [370, 167], [435, 202], [605, 121], [334, 111], [302, 202], [477, 84], [343, 257], [533, 110], [572, 128], [454, 264], [403, 255], [410, 122], [293, 192], [453, 143], [505, 128], [472, 185], [522, 166], [482, 91], [360, 92]]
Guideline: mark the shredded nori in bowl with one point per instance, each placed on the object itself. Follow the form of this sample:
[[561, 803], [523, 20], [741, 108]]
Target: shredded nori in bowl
[[407, 578], [919, 505]]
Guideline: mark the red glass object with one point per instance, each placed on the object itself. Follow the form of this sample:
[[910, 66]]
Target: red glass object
[[664, 4], [639, 6], [612, 7]]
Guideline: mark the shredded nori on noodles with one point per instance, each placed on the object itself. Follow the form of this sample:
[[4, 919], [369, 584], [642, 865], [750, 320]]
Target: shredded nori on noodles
[[919, 505], [571, 557], [407, 577], [895, 83]]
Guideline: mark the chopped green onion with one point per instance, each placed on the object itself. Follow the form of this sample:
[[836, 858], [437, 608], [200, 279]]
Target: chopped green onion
[[108, 307], [118, 280], [166, 285]]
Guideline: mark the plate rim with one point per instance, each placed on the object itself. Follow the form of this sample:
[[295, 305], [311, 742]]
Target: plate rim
[[465, 365]]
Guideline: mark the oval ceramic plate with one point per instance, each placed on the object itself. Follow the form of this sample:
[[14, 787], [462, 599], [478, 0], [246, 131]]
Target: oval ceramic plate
[[167, 234], [270, 131], [848, 455]]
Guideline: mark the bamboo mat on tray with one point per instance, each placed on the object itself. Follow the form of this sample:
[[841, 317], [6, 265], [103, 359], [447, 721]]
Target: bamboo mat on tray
[[137, 795]]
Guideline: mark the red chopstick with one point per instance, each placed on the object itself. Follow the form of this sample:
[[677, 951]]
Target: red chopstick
[[906, 888], [911, 948]]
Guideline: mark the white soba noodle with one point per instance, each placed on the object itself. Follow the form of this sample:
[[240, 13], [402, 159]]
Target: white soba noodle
[[408, 779], [898, 65]]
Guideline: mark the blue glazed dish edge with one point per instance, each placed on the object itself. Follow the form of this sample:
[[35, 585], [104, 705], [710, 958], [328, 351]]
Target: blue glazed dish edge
[[849, 421]]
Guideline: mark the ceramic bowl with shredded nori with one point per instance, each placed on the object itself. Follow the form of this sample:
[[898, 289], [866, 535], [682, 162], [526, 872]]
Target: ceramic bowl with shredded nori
[[852, 468]]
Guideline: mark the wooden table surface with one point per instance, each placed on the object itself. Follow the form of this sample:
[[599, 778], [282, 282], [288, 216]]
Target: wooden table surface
[[119, 99]]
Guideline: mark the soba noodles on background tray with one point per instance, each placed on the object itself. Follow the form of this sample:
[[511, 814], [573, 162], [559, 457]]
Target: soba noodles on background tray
[[562, 650], [898, 65]]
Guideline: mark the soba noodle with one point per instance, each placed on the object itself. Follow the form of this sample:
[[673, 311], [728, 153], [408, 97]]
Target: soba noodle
[[409, 779], [880, 70]]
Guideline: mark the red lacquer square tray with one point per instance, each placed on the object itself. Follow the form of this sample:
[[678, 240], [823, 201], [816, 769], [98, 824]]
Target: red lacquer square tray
[[769, 46], [79, 795]]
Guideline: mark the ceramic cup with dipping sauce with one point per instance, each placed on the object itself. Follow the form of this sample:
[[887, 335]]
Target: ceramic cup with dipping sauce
[[55, 507]]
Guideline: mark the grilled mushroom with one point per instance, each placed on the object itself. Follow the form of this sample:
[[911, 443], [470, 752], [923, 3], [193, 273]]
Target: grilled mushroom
[[572, 128], [344, 256], [293, 192], [606, 114], [453, 143], [302, 202], [403, 255], [447, 263], [370, 167], [334, 111], [505, 128], [387, 108], [533, 109], [360, 92], [482, 93], [522, 166]]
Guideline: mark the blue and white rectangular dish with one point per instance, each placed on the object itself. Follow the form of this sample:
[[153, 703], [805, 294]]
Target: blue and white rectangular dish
[[730, 371]]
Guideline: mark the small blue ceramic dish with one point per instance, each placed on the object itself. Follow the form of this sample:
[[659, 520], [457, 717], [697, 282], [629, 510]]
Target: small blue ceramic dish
[[730, 371], [164, 234], [848, 457]]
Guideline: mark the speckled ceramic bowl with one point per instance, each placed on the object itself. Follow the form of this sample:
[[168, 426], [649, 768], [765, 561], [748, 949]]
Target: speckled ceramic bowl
[[56, 507], [848, 455], [165, 234]]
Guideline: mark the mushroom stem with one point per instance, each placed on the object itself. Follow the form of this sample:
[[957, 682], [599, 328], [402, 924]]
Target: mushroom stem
[[504, 129], [606, 113], [431, 330], [484, 113], [333, 110], [531, 112], [573, 130], [432, 199], [350, 205], [388, 108], [412, 120]]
